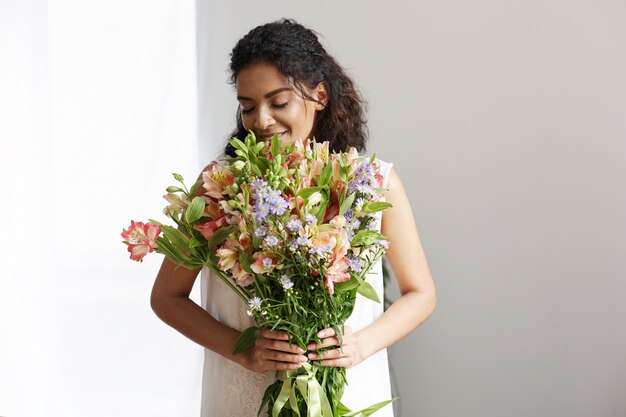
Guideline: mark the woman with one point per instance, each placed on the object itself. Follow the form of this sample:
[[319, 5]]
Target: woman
[[288, 85]]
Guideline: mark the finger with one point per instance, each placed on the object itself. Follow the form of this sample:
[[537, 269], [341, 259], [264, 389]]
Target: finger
[[328, 354], [275, 356], [344, 362], [328, 342], [274, 334], [277, 345]]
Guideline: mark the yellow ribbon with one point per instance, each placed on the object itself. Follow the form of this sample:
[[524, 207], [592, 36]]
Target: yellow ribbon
[[310, 389]]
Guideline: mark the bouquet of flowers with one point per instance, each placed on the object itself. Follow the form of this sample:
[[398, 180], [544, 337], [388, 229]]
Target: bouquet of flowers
[[291, 230]]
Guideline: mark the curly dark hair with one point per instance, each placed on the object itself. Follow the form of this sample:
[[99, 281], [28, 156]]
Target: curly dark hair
[[299, 56]]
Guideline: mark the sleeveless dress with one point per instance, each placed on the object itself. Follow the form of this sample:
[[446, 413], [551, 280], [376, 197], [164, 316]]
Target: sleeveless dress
[[230, 390]]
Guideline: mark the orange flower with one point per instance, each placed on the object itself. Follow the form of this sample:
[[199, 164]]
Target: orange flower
[[216, 179]]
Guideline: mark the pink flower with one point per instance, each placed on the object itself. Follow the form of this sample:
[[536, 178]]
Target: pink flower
[[241, 277], [207, 229], [337, 272], [216, 179], [343, 243], [141, 239]]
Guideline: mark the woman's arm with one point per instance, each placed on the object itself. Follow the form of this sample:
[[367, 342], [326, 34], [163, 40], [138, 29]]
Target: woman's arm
[[417, 302], [171, 303]]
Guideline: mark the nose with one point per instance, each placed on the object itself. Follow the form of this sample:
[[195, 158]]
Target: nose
[[263, 119]]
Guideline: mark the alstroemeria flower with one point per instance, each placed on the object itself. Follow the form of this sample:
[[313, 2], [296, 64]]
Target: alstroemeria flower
[[207, 229], [263, 262], [228, 257], [337, 272], [241, 277], [216, 178], [176, 203], [141, 239]]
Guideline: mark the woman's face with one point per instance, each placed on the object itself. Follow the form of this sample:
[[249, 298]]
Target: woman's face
[[269, 104]]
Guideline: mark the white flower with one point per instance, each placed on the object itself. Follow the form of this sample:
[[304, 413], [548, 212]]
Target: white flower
[[254, 303], [285, 282]]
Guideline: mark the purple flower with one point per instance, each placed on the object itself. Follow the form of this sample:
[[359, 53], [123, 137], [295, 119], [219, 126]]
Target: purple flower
[[320, 249], [261, 210], [302, 241], [309, 218], [384, 243], [277, 205], [260, 231], [355, 263], [257, 184], [364, 181], [271, 241], [293, 225], [267, 262]]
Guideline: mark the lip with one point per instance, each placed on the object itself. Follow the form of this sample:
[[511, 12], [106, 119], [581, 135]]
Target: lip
[[269, 136]]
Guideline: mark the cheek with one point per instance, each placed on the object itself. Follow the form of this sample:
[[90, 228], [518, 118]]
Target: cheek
[[301, 118]]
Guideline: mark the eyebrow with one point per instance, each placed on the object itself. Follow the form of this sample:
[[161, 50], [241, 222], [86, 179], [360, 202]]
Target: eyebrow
[[268, 95]]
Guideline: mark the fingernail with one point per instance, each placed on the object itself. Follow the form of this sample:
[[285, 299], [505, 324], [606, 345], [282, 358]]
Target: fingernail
[[311, 346], [321, 334], [312, 355], [303, 358], [300, 350]]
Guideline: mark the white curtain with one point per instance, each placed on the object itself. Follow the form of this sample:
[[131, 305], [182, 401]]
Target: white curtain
[[97, 109]]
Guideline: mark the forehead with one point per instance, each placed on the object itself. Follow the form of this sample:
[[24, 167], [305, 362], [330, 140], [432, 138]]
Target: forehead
[[260, 78]]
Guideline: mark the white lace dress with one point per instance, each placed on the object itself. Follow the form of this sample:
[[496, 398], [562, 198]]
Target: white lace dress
[[230, 390]]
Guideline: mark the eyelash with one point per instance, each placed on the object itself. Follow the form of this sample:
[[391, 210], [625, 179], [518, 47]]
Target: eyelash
[[276, 106]]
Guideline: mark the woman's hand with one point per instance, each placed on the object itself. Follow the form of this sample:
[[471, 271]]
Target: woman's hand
[[272, 351], [345, 355]]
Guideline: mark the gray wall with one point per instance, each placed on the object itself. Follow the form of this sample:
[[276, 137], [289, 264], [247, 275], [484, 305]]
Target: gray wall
[[507, 122]]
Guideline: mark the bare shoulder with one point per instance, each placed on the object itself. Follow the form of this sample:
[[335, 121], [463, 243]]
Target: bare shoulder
[[406, 254]]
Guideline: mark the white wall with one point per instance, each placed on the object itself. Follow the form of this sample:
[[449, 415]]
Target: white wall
[[97, 108], [506, 121]]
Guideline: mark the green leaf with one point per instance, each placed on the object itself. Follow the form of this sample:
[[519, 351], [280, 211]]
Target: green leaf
[[324, 179], [343, 175], [237, 144], [176, 237], [307, 192], [172, 252], [194, 243], [245, 260], [366, 237], [346, 285], [347, 203], [369, 208], [366, 412], [246, 340], [195, 210], [275, 146], [367, 291], [220, 235], [194, 187]]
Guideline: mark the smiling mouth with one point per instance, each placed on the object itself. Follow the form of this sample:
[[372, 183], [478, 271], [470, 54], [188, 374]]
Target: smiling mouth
[[270, 136]]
